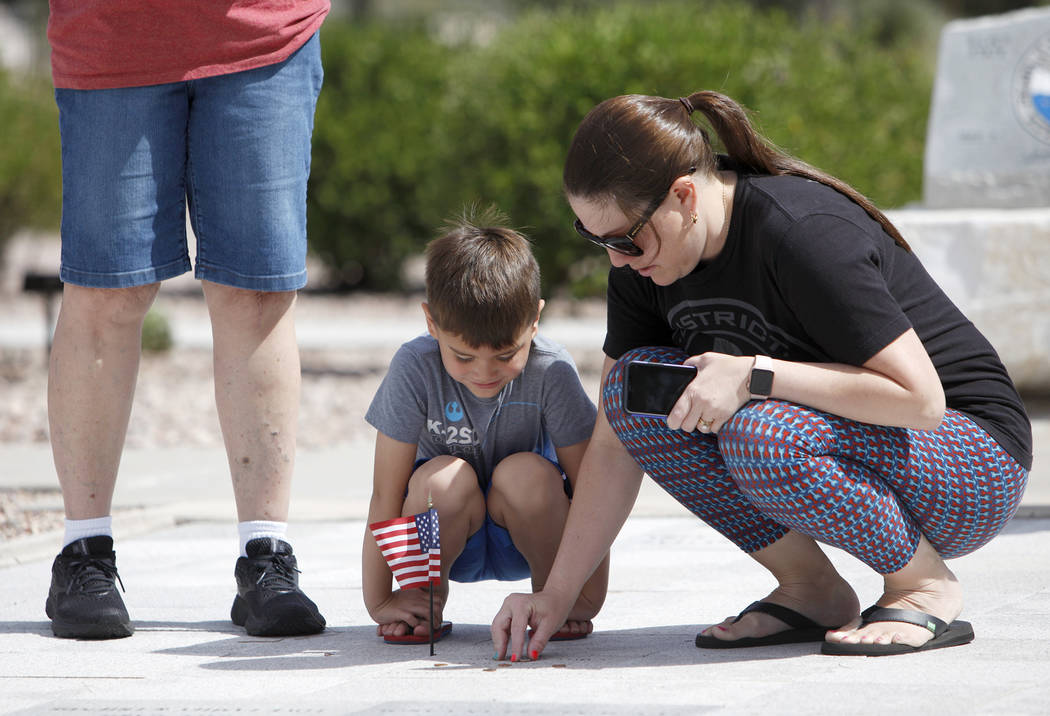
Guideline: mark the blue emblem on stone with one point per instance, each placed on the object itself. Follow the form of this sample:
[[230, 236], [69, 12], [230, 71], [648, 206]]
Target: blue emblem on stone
[[1031, 89], [1039, 86]]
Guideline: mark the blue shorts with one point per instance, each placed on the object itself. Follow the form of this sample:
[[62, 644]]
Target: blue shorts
[[235, 147], [490, 552]]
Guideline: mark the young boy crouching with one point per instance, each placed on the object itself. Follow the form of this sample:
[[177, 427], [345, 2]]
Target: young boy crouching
[[486, 419]]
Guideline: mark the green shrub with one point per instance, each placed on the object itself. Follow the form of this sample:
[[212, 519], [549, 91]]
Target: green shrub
[[30, 158], [383, 92], [409, 131], [831, 95], [156, 332]]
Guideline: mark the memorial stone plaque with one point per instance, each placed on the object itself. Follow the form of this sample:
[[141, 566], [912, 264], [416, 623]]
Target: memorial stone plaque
[[988, 139]]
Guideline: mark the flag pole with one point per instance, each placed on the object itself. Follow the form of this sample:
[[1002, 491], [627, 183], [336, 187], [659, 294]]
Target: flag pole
[[432, 620], [430, 586]]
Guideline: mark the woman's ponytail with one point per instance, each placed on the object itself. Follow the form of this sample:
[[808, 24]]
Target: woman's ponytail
[[751, 150]]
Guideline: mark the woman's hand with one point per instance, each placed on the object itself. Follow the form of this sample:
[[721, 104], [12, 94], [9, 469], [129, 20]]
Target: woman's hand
[[715, 394], [544, 612], [898, 387]]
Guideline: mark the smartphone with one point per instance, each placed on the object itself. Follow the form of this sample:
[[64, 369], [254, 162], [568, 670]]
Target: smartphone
[[652, 389]]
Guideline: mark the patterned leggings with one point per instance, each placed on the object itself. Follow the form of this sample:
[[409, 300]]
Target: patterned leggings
[[867, 489]]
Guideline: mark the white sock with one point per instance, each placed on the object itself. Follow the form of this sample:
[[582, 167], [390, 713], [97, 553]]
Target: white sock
[[79, 529], [255, 529]]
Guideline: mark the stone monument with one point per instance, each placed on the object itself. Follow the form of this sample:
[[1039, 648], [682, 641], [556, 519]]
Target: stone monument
[[988, 143], [983, 231]]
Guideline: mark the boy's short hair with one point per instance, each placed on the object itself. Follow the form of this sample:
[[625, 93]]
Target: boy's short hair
[[482, 281]]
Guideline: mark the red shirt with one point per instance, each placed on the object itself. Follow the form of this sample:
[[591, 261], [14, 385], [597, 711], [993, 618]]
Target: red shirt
[[102, 44]]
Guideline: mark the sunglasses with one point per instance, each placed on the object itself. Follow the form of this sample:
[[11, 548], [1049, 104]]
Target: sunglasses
[[625, 244]]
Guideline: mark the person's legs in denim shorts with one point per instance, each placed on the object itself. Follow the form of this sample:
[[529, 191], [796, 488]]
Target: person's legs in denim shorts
[[238, 146]]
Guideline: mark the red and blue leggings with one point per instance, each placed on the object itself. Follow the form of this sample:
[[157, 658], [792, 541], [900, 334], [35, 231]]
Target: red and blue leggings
[[867, 489]]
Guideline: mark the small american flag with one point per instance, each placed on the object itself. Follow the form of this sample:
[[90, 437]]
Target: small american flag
[[412, 548]]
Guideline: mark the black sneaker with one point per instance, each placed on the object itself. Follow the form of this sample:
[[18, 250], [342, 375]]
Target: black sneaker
[[83, 602], [269, 601]]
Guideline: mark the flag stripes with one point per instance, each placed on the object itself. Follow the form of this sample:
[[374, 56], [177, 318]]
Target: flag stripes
[[411, 547]]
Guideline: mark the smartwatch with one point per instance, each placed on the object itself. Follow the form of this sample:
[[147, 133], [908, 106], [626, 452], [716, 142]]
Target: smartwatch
[[760, 385]]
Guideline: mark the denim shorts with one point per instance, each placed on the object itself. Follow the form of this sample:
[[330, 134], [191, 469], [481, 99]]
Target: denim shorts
[[235, 147]]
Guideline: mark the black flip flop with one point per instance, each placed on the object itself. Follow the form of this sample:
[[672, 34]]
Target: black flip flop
[[944, 635], [803, 629]]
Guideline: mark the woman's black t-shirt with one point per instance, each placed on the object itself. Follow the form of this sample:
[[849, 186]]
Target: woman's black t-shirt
[[807, 275]]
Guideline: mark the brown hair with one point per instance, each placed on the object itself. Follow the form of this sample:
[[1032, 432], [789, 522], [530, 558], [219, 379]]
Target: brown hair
[[630, 149], [482, 281]]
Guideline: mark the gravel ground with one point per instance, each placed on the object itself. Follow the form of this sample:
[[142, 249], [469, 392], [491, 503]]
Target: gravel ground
[[27, 512], [174, 399], [336, 391]]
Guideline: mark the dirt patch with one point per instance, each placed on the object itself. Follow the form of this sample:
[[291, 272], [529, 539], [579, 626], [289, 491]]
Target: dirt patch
[[29, 512]]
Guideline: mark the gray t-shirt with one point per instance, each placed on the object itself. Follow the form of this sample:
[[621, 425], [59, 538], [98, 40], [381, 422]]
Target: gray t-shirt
[[543, 408]]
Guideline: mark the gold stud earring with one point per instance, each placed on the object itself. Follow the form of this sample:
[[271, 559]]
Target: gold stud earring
[[695, 217]]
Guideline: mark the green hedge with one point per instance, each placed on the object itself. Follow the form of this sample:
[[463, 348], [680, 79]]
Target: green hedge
[[409, 130], [30, 158], [372, 149]]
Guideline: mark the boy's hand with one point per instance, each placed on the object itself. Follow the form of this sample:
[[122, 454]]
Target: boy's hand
[[406, 611], [544, 612]]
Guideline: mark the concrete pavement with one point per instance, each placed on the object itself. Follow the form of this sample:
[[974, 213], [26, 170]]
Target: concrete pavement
[[671, 574]]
